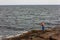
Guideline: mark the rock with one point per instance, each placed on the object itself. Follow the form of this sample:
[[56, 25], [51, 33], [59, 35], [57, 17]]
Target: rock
[[56, 36], [37, 38], [38, 35]]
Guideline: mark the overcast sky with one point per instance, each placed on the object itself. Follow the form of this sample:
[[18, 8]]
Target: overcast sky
[[32, 2]]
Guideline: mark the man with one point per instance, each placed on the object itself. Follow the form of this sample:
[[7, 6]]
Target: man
[[42, 24]]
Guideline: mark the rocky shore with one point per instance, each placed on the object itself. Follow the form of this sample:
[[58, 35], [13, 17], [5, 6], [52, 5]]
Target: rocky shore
[[53, 34]]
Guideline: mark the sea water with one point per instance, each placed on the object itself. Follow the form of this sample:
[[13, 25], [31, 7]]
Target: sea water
[[15, 19]]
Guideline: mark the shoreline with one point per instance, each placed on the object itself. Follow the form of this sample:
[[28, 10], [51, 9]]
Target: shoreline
[[12, 36], [36, 35]]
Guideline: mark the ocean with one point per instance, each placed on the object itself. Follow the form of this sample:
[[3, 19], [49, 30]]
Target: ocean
[[15, 19]]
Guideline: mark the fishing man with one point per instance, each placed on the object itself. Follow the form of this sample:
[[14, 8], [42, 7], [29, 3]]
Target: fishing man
[[43, 26]]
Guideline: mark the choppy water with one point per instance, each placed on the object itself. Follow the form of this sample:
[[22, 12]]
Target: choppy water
[[14, 19]]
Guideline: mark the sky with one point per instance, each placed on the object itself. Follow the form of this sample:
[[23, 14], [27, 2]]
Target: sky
[[29, 2]]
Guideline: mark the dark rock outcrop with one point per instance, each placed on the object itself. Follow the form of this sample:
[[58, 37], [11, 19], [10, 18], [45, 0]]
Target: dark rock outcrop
[[38, 35]]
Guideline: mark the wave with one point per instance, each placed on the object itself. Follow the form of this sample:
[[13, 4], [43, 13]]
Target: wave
[[12, 36], [13, 28]]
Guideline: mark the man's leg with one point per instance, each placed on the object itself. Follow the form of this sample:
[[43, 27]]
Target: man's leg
[[43, 28]]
